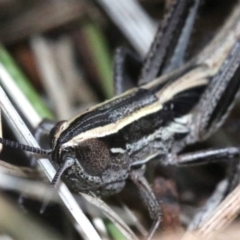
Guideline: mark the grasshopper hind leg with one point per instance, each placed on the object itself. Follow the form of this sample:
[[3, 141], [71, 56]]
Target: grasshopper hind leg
[[218, 99], [127, 66], [168, 48]]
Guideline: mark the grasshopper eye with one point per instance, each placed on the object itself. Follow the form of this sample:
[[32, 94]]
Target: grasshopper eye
[[93, 155]]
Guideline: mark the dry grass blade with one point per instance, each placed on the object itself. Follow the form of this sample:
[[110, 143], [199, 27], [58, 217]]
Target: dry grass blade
[[75, 85], [32, 189], [230, 233], [135, 221], [120, 224], [131, 12], [23, 172], [211, 204], [1, 128], [11, 219], [223, 215], [50, 76], [18, 97]]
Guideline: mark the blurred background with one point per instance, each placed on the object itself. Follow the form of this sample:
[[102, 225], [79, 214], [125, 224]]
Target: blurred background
[[70, 44]]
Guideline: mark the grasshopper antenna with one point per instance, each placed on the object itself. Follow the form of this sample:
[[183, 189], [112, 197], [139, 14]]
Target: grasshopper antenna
[[68, 163], [24, 147]]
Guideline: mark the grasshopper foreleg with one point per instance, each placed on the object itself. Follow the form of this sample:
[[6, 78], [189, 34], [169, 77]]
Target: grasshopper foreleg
[[149, 199]]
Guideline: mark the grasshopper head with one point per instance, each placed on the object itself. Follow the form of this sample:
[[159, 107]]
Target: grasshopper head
[[92, 154]]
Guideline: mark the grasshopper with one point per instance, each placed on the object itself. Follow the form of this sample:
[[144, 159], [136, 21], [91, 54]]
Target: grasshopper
[[166, 110]]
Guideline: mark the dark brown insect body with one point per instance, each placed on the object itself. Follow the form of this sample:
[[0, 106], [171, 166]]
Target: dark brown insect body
[[98, 150], [108, 140]]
